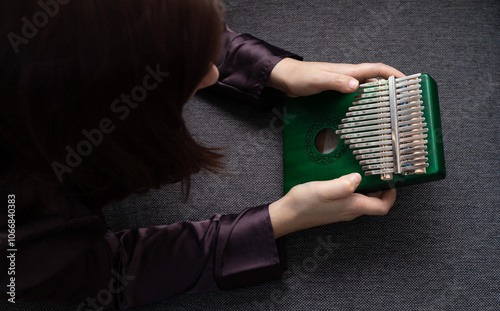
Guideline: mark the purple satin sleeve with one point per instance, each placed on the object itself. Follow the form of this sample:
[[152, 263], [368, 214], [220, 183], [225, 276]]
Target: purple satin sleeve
[[224, 252], [245, 66], [71, 256]]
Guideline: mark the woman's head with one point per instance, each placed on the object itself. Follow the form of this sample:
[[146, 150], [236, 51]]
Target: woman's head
[[93, 92]]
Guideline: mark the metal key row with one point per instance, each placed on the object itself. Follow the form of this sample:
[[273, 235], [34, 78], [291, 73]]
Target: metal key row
[[386, 127]]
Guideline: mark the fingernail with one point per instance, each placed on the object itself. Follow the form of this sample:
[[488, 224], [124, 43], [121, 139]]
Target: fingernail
[[353, 84], [356, 177]]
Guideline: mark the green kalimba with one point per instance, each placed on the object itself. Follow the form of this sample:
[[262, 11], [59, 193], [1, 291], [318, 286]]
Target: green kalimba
[[389, 131]]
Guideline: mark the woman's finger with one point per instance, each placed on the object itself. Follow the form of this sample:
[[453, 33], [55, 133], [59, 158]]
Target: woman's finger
[[369, 80], [368, 205], [371, 70], [366, 71], [377, 194]]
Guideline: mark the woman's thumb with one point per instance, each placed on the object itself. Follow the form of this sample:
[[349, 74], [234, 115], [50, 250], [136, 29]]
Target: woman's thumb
[[341, 82], [341, 187]]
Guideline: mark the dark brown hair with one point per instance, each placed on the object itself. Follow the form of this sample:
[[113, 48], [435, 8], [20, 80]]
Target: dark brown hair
[[92, 94]]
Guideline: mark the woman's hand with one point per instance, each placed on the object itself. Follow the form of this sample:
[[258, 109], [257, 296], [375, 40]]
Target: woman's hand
[[298, 78], [323, 202]]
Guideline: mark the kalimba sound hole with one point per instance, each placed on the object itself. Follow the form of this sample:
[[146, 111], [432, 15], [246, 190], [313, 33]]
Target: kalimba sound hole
[[326, 140]]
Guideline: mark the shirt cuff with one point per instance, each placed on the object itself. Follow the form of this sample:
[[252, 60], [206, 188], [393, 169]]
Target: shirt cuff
[[246, 65], [246, 251]]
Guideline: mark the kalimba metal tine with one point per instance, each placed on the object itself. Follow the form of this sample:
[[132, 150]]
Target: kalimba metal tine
[[366, 122], [413, 119], [376, 160], [412, 150], [374, 83], [366, 117], [371, 150], [364, 134], [365, 139], [410, 105], [411, 156], [369, 95], [369, 106], [420, 131], [374, 89], [363, 129], [369, 111], [372, 99], [373, 155]]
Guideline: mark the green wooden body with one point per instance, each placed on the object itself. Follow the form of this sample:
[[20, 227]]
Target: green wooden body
[[306, 116]]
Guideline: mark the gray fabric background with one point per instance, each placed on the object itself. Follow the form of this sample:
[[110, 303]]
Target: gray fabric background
[[438, 248]]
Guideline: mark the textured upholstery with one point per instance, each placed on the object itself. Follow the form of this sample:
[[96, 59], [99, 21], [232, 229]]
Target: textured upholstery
[[439, 247]]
